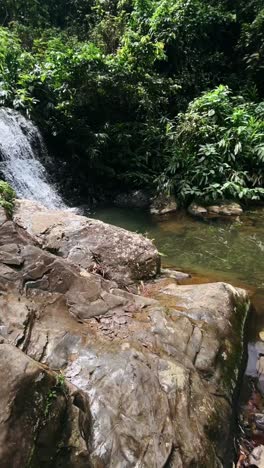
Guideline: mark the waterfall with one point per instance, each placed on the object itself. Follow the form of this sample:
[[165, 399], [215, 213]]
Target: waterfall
[[21, 151]]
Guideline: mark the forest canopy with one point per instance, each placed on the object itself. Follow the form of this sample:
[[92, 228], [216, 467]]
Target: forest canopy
[[161, 94]]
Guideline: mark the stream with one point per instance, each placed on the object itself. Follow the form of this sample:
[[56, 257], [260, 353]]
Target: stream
[[230, 250]]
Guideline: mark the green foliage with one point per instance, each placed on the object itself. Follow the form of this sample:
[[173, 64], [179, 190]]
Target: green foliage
[[57, 389], [252, 46], [109, 82], [7, 197], [217, 149]]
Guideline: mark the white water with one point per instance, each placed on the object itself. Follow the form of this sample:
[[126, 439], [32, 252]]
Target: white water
[[21, 145]]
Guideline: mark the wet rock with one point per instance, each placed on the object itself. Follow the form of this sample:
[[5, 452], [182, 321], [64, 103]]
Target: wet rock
[[163, 204], [220, 209], [111, 251], [225, 209], [197, 210], [135, 199]]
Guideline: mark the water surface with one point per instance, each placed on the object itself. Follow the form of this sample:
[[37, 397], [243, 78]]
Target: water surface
[[222, 249]]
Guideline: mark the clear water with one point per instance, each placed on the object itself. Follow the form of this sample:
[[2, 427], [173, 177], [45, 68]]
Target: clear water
[[21, 151], [218, 249]]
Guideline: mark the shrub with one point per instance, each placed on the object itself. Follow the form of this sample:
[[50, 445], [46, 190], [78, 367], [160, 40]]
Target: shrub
[[7, 197], [217, 149]]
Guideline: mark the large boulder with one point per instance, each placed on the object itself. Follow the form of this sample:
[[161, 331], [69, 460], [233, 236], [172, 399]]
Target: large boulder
[[113, 252], [38, 419], [155, 377]]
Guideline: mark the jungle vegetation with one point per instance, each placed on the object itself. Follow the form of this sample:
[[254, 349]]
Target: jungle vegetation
[[162, 94]]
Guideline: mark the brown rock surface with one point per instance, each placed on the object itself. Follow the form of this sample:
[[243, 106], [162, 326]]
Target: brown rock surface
[[154, 378], [34, 408], [118, 254]]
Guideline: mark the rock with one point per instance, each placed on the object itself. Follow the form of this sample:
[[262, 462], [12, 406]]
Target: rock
[[178, 275], [3, 216], [211, 305], [163, 204], [33, 408], [256, 458], [117, 254], [259, 421], [197, 210], [133, 374], [225, 209], [261, 335], [135, 199], [221, 209]]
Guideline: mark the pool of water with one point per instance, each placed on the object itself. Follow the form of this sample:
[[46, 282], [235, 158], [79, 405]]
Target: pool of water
[[222, 249], [216, 250]]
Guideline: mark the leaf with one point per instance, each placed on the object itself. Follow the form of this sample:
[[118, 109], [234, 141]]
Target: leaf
[[211, 113], [238, 148]]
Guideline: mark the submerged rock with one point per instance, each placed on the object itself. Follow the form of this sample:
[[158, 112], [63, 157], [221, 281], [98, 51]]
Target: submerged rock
[[163, 204], [153, 376], [221, 209], [115, 253]]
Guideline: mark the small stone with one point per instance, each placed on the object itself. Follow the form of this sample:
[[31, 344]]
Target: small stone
[[259, 420], [257, 457], [261, 335], [120, 320], [197, 210]]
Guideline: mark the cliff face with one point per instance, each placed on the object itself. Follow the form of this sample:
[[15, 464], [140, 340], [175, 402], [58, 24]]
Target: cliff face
[[95, 376]]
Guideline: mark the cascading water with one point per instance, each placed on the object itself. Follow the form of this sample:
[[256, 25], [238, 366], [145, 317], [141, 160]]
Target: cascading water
[[20, 146]]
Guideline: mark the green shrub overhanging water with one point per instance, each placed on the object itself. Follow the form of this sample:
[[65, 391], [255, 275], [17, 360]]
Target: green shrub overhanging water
[[216, 149], [161, 94]]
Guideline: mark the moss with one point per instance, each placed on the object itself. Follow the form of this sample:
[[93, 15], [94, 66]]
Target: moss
[[7, 197], [231, 353], [58, 388]]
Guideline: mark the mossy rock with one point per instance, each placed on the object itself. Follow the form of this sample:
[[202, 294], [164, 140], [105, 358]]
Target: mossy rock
[[7, 197]]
